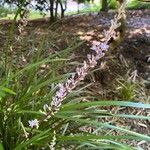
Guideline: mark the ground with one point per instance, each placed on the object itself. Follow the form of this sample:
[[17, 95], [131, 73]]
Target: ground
[[128, 62]]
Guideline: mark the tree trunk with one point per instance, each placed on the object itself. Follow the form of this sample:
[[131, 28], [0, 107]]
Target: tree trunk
[[56, 9], [51, 10], [62, 9], [104, 4]]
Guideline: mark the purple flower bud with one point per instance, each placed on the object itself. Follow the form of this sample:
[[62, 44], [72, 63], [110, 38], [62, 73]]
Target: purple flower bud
[[80, 71], [55, 102], [104, 46], [94, 47], [92, 60], [85, 65], [46, 107]]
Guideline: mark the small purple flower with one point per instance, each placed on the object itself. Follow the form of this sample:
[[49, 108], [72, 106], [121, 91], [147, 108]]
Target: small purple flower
[[60, 93], [103, 46], [79, 71], [94, 47], [55, 102], [99, 55], [68, 85], [33, 123]]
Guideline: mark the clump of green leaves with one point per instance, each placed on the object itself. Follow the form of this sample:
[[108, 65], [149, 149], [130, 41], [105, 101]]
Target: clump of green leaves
[[5, 11], [23, 93], [138, 4], [126, 89]]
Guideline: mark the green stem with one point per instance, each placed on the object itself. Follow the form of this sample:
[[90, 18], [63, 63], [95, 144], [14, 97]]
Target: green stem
[[10, 37]]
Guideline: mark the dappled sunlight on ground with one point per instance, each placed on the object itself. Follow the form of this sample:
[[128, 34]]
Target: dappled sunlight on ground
[[141, 31]]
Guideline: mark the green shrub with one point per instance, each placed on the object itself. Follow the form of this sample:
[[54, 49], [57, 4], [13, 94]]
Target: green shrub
[[135, 4], [113, 4], [5, 11]]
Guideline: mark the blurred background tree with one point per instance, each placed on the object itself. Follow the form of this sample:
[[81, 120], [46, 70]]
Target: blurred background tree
[[57, 8]]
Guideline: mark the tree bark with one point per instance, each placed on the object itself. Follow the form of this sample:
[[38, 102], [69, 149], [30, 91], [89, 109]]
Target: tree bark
[[56, 9], [62, 8], [51, 10], [104, 4]]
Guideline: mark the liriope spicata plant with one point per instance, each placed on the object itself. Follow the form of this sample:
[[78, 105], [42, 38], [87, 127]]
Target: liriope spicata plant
[[69, 122], [27, 87]]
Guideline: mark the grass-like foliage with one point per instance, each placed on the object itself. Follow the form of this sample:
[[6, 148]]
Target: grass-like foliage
[[83, 121], [24, 91]]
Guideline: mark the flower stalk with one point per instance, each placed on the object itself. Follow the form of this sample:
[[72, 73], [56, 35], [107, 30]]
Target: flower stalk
[[99, 51]]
